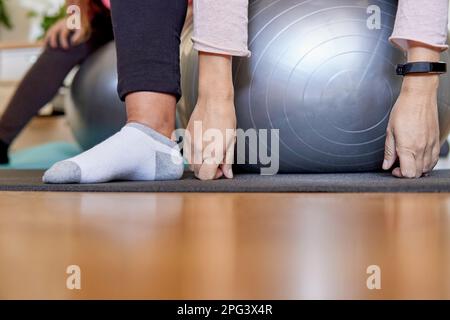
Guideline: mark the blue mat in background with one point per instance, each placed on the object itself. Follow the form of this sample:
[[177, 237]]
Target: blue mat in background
[[42, 156]]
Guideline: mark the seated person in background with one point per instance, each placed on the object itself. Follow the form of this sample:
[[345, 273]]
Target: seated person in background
[[64, 50]]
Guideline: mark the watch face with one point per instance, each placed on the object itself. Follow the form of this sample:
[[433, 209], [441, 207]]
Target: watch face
[[400, 70]]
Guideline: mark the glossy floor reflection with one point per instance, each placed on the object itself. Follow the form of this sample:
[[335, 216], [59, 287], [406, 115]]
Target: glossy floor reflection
[[224, 246]]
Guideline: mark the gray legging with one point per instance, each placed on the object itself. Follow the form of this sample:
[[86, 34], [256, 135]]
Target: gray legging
[[43, 80]]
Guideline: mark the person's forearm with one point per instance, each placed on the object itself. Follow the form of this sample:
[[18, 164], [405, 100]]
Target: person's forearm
[[419, 52], [215, 76]]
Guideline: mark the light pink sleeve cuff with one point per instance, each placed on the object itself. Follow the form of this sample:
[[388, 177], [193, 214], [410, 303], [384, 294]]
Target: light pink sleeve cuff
[[221, 27], [424, 21]]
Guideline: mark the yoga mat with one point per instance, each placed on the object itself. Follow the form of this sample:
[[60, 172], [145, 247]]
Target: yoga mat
[[438, 181], [43, 156]]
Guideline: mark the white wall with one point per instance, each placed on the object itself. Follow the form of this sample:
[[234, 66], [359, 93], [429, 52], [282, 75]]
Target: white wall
[[21, 23], [25, 28]]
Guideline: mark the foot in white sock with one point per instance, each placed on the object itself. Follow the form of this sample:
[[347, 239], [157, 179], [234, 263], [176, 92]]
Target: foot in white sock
[[136, 153]]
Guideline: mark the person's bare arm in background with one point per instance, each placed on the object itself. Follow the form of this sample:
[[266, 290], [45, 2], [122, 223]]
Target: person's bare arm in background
[[59, 35]]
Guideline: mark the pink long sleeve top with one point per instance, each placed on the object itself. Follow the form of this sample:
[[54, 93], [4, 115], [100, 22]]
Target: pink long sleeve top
[[222, 28]]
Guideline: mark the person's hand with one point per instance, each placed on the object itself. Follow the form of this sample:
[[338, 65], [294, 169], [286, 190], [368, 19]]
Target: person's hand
[[211, 132], [60, 36], [217, 119], [413, 130]]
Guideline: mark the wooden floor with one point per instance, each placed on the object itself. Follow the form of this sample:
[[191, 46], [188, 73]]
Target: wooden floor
[[235, 246]]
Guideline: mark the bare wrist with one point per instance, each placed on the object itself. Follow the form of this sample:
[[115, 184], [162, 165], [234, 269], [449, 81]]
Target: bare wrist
[[215, 76], [421, 83], [420, 52]]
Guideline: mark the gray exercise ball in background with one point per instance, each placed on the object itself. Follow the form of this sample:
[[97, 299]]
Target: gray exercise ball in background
[[93, 107], [323, 78]]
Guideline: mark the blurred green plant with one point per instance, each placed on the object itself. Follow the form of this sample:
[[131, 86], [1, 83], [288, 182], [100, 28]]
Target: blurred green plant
[[49, 20], [4, 16]]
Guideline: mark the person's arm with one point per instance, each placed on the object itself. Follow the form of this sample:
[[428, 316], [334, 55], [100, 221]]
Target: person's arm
[[220, 32], [413, 130], [60, 35]]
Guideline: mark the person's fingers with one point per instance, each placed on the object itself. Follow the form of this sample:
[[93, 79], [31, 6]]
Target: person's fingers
[[197, 159], [197, 147], [48, 36], [219, 174], [227, 166], [419, 166], [407, 164], [435, 156], [390, 154], [189, 150], [54, 39], [196, 168], [78, 37], [397, 173], [208, 170], [187, 153], [47, 39], [214, 155], [64, 36], [428, 159], [227, 170]]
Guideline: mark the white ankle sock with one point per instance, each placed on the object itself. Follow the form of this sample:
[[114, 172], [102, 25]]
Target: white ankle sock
[[136, 153]]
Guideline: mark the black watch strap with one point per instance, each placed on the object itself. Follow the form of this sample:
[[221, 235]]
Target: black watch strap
[[421, 67]]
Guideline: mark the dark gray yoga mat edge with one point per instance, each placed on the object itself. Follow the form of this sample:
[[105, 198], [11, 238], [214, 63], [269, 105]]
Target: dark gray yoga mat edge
[[438, 181]]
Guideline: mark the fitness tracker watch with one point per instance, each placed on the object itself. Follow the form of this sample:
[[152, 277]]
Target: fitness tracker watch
[[421, 67]]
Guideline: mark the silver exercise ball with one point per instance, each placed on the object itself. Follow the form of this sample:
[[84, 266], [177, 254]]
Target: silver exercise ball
[[93, 107], [321, 76]]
